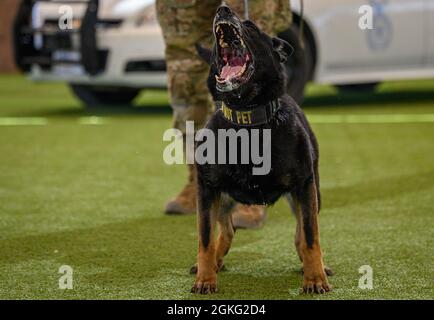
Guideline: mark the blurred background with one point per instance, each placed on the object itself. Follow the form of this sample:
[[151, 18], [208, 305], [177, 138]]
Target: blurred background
[[8, 9], [107, 52], [83, 108]]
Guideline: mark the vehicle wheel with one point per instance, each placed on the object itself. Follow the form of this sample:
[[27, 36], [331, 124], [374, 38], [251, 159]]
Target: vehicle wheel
[[300, 64], [358, 88], [93, 96]]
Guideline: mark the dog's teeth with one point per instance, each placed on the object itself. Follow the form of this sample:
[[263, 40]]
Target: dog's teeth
[[242, 70], [222, 43], [218, 79]]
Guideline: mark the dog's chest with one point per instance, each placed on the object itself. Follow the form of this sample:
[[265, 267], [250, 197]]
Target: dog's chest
[[246, 188], [277, 162]]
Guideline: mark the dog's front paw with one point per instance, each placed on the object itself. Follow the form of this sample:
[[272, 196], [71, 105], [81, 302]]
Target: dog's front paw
[[204, 287], [316, 284]]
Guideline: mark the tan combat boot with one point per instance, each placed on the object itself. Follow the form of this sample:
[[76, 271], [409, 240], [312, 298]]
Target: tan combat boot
[[185, 201], [248, 217]]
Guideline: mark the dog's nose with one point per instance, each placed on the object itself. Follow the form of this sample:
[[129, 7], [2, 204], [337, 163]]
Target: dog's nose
[[224, 10]]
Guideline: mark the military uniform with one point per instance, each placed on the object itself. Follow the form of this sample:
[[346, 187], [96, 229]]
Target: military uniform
[[184, 24]]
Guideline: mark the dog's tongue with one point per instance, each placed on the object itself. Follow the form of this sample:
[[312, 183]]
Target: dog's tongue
[[229, 72]]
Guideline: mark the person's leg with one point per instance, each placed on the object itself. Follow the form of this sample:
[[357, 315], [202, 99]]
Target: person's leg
[[185, 23], [271, 16]]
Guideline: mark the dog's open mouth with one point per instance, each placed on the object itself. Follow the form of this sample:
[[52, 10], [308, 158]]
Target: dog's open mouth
[[234, 59]]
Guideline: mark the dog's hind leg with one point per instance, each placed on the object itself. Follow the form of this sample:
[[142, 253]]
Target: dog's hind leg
[[307, 240], [206, 277], [297, 238], [226, 229], [293, 205]]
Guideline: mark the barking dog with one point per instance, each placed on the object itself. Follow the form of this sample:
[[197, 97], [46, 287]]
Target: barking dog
[[247, 78]]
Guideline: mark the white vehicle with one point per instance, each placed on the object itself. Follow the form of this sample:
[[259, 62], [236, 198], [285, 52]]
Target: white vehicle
[[111, 49]]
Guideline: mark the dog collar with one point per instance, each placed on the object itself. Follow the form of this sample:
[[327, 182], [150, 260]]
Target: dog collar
[[252, 116]]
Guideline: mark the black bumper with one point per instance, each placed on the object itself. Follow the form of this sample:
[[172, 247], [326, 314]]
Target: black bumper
[[91, 58]]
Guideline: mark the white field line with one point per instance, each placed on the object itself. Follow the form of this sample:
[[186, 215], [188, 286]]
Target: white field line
[[39, 121], [93, 120], [313, 118], [10, 121], [371, 118]]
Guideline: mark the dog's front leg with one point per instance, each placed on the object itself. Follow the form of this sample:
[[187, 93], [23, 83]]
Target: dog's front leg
[[308, 246], [206, 277]]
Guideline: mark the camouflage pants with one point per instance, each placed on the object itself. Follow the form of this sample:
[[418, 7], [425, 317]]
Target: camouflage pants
[[186, 22]]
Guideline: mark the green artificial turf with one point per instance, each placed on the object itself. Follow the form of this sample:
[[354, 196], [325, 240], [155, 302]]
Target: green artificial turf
[[86, 189]]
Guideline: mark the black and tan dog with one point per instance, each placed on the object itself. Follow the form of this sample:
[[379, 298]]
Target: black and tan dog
[[247, 78]]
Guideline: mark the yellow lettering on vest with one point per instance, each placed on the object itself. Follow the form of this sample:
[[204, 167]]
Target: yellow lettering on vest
[[227, 113], [244, 117]]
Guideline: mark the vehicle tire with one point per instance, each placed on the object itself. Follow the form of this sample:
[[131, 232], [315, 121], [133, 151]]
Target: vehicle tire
[[358, 88], [300, 65], [95, 96]]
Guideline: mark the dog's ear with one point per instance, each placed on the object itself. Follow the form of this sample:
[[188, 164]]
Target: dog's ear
[[204, 53], [283, 48], [251, 25]]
